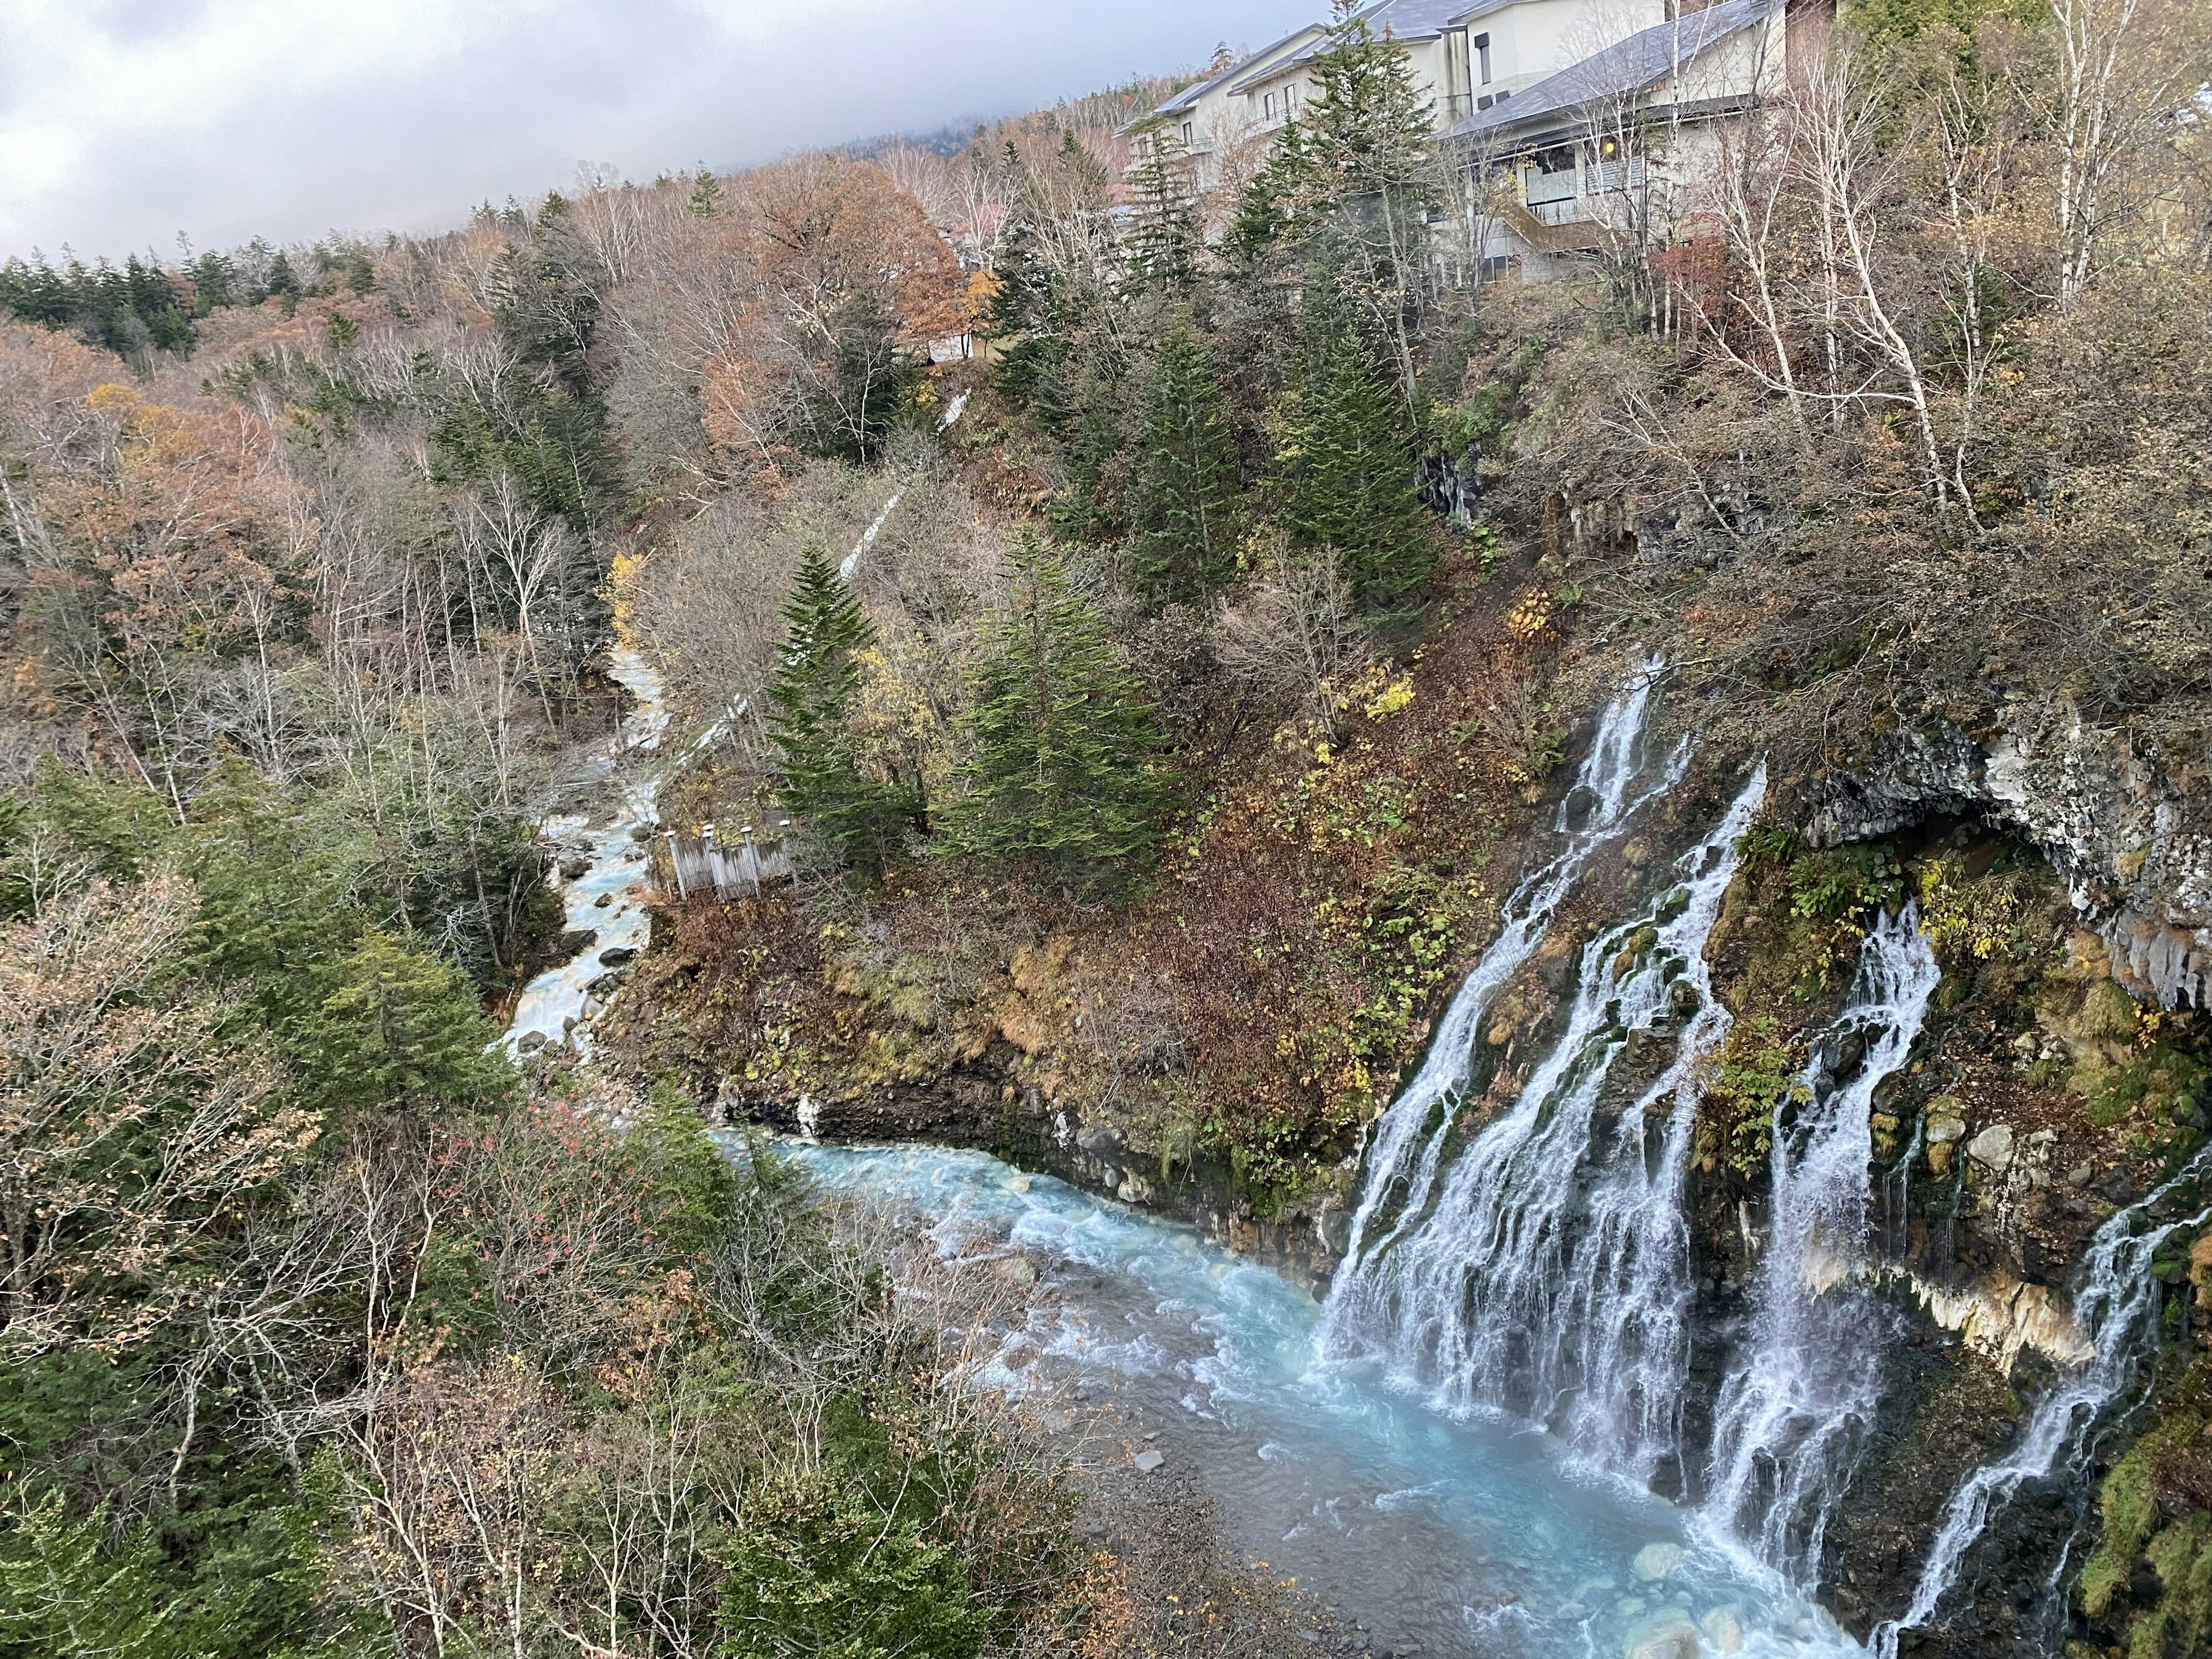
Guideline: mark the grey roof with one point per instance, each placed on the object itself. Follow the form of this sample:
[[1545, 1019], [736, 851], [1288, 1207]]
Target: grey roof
[[1191, 94], [1403, 20], [1644, 59]]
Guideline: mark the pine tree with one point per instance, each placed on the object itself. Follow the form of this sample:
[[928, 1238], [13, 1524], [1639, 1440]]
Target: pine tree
[[1164, 240], [1370, 174], [826, 780], [1346, 458], [1183, 499], [1061, 781]]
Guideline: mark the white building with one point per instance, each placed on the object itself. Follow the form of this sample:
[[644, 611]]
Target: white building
[[1571, 122]]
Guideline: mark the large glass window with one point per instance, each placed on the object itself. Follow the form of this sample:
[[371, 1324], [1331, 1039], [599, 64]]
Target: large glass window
[[1482, 59]]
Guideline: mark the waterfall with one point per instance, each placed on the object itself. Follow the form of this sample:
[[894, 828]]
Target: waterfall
[[1793, 1411], [1595, 812], [1549, 1276], [2118, 1310]]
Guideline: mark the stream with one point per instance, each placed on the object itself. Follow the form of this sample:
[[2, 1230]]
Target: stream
[[1456, 1448], [1474, 1535]]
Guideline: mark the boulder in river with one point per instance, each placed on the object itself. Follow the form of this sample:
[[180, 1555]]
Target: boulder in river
[[1655, 1561], [617, 955], [1666, 1634], [1723, 1630], [1146, 1462]]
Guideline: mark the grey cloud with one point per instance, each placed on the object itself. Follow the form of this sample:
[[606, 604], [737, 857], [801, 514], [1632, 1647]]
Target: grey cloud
[[650, 86]]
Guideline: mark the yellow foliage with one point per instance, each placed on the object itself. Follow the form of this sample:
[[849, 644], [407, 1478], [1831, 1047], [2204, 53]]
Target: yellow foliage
[[1978, 919], [1530, 616], [1394, 698]]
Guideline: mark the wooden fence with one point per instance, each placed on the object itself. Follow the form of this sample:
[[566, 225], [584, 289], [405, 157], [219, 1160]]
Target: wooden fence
[[694, 866]]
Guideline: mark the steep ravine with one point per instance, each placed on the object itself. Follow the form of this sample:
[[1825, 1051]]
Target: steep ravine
[[1811, 1337]]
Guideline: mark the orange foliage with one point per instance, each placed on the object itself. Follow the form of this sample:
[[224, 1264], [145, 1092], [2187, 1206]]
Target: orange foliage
[[824, 236], [186, 517]]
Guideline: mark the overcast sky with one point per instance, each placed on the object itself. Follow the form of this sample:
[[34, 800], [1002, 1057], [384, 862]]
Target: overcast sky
[[123, 122]]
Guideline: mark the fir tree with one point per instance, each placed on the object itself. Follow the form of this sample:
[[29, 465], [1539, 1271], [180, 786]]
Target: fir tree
[[1184, 497], [1268, 209], [817, 686], [1346, 458], [1370, 128], [1163, 242], [1061, 781], [706, 198]]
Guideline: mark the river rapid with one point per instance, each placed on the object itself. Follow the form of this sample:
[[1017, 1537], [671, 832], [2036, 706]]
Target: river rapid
[[1462, 1535], [1455, 1448]]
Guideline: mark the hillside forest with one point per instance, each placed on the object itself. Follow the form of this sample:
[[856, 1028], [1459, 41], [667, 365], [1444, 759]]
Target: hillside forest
[[1160, 765]]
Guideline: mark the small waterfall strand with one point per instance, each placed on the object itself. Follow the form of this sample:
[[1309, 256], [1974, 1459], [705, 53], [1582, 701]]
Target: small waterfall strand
[[1595, 810], [1792, 1415], [2118, 1310], [1550, 1279]]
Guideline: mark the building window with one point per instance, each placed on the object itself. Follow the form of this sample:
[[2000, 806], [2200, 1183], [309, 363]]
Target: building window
[[1482, 58], [1291, 99], [1187, 137], [1485, 101], [1271, 106]]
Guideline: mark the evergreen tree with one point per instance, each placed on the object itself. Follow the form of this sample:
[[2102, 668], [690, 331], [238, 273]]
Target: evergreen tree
[[707, 193], [283, 282], [1060, 779], [1164, 240], [1344, 452], [1370, 128], [816, 685], [1183, 498], [1020, 318], [1268, 209], [1356, 189]]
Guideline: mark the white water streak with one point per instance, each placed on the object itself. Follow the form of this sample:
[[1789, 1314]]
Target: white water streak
[[1550, 1278], [1793, 1413], [1601, 796], [2119, 1308]]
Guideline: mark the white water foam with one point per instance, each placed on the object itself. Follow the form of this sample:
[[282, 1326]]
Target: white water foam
[[1550, 1278], [1793, 1413], [1600, 806], [2118, 1309]]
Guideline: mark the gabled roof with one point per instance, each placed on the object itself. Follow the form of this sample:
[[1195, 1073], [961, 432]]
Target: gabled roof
[[1402, 20], [1190, 95], [1642, 60]]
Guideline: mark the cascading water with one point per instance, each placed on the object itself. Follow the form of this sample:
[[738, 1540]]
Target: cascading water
[[1549, 1275], [1595, 810], [2117, 1311], [1793, 1411]]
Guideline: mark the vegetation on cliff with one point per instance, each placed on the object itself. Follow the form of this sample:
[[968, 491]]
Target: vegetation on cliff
[[1169, 749]]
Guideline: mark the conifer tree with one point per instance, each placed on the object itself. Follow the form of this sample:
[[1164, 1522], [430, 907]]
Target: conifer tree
[[707, 193], [1346, 458], [1370, 128], [1268, 209], [1364, 173], [826, 780], [1184, 497], [1163, 242], [1060, 779]]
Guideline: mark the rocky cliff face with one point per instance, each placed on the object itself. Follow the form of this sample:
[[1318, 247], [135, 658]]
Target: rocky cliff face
[[2127, 825]]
